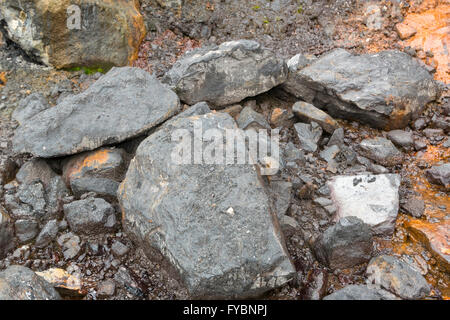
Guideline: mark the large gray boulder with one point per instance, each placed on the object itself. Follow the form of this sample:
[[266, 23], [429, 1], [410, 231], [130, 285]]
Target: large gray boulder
[[372, 198], [20, 283], [213, 223], [124, 103], [226, 74], [29, 107], [385, 89]]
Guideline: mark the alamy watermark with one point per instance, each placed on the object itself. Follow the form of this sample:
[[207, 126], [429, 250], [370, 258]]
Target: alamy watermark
[[227, 147]]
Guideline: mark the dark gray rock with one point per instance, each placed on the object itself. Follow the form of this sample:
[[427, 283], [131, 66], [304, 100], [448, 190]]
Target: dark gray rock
[[380, 150], [308, 135], [370, 166], [414, 206], [90, 216], [6, 233], [29, 107], [401, 138], [105, 188], [360, 292], [294, 84], [329, 153], [26, 230], [439, 174], [386, 89], [213, 223], [420, 144], [226, 74], [250, 119], [398, 277], [47, 234], [337, 138], [281, 192], [344, 245], [56, 192], [8, 169], [307, 112], [35, 169], [33, 194], [20, 283], [99, 116], [372, 198]]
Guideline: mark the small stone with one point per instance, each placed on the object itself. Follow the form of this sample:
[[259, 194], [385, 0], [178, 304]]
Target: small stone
[[344, 245], [308, 135], [307, 112], [401, 138], [414, 206], [26, 230], [405, 31], [420, 144], [250, 119], [67, 284], [397, 277], [119, 249], [282, 195], [381, 151], [106, 288], [439, 175], [48, 233], [337, 138], [281, 118], [70, 244], [6, 233], [329, 153], [35, 169]]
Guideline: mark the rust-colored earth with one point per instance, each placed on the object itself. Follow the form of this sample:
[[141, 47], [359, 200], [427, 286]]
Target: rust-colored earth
[[429, 31]]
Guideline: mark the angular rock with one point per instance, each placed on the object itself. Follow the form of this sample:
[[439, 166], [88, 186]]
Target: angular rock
[[212, 222], [33, 194], [35, 169], [282, 194], [398, 277], [226, 74], [380, 150], [99, 116], [90, 216], [47, 234], [26, 230], [66, 34], [6, 233], [29, 107], [119, 249], [435, 237], [56, 192], [372, 198], [439, 175], [102, 187], [293, 84], [106, 288], [401, 138], [20, 283], [281, 118], [308, 135], [386, 89], [70, 244], [360, 292], [337, 138], [65, 283], [329, 153], [344, 245], [307, 112], [250, 119], [8, 169], [414, 206]]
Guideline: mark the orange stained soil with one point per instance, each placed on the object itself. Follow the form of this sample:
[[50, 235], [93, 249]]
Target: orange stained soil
[[431, 232], [432, 34], [2, 79]]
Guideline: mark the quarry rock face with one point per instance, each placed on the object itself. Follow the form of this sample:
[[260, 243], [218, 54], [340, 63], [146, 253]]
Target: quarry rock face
[[65, 34]]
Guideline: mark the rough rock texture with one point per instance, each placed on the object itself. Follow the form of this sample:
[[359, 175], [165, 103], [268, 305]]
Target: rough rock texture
[[380, 150], [8, 169], [250, 119], [372, 198], [439, 175], [347, 243], [47, 234], [226, 74], [401, 138], [307, 112], [124, 103], [308, 135], [29, 107], [6, 233], [20, 283], [90, 216], [385, 90], [94, 33], [214, 223], [35, 169], [360, 292], [397, 277]]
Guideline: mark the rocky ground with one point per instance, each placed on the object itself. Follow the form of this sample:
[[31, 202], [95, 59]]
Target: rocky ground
[[61, 217]]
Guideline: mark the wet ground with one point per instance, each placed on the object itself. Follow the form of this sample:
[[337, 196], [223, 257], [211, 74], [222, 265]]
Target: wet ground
[[288, 27]]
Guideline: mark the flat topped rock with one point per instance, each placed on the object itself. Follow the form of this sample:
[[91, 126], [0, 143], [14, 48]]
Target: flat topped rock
[[372, 198], [124, 103], [226, 74], [213, 223], [386, 89]]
